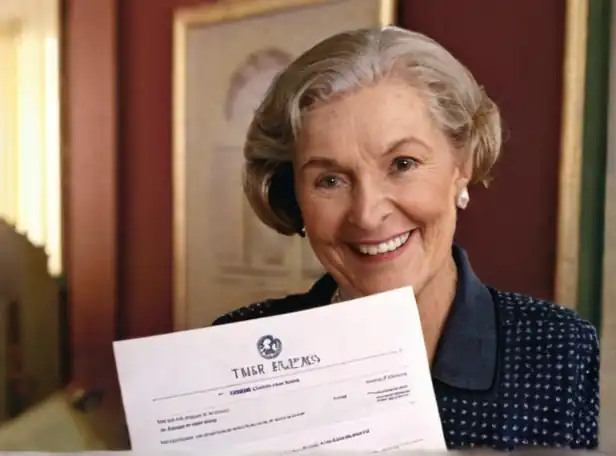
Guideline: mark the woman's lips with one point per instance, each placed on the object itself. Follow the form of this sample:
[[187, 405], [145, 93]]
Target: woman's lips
[[386, 247]]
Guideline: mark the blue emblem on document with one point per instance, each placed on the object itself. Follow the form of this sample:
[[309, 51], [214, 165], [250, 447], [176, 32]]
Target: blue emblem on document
[[269, 347]]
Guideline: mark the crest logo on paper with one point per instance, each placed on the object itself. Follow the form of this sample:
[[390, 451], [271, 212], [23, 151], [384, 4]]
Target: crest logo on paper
[[269, 347]]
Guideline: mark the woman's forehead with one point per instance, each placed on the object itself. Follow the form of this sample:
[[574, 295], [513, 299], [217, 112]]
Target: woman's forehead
[[371, 118]]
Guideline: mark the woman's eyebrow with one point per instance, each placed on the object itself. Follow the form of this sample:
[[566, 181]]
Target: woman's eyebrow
[[319, 162], [407, 140]]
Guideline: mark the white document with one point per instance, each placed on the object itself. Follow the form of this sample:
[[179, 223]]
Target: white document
[[352, 376]]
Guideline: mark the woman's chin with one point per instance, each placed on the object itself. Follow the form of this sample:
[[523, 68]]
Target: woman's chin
[[369, 289]]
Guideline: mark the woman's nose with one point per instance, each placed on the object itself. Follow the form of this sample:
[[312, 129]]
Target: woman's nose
[[370, 206]]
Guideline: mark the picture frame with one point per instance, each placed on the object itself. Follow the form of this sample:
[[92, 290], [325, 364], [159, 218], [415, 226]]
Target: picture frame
[[566, 283], [224, 257]]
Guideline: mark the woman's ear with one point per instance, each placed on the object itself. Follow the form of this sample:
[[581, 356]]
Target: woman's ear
[[463, 174], [466, 168]]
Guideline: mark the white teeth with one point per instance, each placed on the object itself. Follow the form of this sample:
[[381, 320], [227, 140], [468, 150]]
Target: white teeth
[[384, 247]]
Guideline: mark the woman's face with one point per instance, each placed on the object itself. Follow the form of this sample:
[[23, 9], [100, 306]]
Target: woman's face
[[377, 182]]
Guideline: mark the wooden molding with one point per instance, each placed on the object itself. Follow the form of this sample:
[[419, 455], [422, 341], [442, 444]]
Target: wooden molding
[[572, 136]]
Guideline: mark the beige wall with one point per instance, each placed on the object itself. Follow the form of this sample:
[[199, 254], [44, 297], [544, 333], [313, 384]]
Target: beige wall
[[608, 343]]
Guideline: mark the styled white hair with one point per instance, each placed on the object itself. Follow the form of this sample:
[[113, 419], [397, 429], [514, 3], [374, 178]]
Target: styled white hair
[[343, 63]]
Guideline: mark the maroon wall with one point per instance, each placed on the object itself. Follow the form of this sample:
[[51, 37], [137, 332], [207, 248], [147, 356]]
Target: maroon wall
[[90, 187], [515, 49], [146, 287]]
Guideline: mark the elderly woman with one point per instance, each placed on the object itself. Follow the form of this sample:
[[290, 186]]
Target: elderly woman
[[367, 144]]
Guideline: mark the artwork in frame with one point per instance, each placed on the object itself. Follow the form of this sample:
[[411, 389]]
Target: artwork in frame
[[225, 56]]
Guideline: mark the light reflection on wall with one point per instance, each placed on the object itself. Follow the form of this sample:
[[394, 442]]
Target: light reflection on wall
[[30, 161], [52, 191]]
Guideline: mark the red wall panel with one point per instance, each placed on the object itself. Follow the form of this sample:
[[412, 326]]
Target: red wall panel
[[145, 61], [90, 187]]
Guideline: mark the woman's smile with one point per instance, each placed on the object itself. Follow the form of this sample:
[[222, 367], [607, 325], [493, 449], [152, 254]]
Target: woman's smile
[[372, 251]]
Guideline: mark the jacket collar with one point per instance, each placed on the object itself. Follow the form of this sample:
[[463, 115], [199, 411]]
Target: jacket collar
[[466, 356]]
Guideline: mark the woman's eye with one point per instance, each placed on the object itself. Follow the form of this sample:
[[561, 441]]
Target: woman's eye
[[328, 182], [402, 164]]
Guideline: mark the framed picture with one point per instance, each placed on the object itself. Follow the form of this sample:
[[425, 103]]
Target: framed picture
[[225, 56]]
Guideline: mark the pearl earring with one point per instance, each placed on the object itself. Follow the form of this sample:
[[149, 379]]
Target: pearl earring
[[463, 198]]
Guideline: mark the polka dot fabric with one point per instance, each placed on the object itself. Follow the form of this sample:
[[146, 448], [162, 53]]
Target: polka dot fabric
[[546, 388], [546, 391]]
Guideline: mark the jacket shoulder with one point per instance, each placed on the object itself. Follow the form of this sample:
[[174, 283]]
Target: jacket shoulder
[[524, 307], [573, 344], [549, 322], [266, 308]]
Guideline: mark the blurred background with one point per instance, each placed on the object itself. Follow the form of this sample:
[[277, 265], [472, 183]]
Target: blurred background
[[94, 231]]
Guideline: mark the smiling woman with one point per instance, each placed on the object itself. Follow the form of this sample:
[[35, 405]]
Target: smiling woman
[[367, 144], [379, 211]]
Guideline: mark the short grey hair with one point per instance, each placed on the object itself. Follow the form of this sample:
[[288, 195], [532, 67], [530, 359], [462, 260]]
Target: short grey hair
[[343, 63]]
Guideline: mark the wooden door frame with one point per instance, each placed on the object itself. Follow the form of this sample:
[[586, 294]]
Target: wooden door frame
[[572, 137]]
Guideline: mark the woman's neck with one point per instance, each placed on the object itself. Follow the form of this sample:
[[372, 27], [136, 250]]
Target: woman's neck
[[434, 301]]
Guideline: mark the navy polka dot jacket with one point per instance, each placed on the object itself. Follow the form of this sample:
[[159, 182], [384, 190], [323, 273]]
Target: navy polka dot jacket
[[510, 371]]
